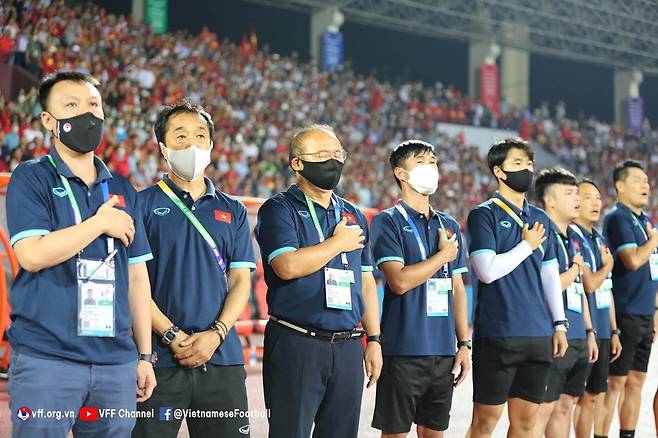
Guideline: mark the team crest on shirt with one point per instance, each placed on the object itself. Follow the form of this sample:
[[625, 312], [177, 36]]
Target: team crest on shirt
[[59, 191], [506, 224], [408, 229], [162, 211], [304, 214]]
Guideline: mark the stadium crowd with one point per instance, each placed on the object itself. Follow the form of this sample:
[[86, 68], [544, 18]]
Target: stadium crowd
[[257, 99]]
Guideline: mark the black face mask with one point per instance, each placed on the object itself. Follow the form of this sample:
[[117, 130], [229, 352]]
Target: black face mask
[[519, 181], [80, 133], [323, 174]]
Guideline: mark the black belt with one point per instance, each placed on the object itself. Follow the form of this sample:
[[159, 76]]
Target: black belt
[[331, 337]]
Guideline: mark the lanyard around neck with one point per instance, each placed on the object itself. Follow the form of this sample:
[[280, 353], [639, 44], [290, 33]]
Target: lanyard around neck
[[77, 215], [318, 228]]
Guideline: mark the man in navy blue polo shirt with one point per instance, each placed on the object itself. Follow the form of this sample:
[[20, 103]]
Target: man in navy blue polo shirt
[[519, 322], [200, 278], [557, 191], [425, 309], [75, 227], [597, 273], [633, 240], [313, 358]]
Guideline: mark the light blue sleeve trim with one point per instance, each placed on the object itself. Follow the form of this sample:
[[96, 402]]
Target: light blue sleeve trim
[[541, 248], [625, 246], [365, 268], [389, 259], [28, 233], [459, 271], [238, 265], [280, 251], [482, 251], [550, 262], [140, 259]]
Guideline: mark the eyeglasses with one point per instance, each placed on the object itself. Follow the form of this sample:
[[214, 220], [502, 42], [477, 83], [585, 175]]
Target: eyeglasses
[[339, 155]]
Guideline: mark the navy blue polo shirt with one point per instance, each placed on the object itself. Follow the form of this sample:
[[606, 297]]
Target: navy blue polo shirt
[[407, 329], [634, 291], [186, 281], [571, 244], [600, 317], [513, 305], [44, 304], [284, 224]]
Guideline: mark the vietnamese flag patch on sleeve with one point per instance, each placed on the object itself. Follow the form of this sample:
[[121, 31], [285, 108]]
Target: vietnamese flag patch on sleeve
[[349, 217], [223, 216], [122, 200]]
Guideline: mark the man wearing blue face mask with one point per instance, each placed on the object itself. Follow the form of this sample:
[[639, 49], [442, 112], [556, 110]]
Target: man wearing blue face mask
[[200, 277], [77, 232], [310, 239], [424, 323]]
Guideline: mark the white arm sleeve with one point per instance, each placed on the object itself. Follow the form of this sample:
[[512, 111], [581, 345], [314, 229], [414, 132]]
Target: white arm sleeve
[[489, 266], [550, 279]]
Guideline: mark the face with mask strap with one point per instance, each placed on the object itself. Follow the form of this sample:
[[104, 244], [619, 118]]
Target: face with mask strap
[[187, 145], [320, 159], [516, 171], [74, 114], [420, 172]]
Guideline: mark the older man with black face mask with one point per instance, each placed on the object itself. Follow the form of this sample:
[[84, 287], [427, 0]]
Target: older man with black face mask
[[312, 366]]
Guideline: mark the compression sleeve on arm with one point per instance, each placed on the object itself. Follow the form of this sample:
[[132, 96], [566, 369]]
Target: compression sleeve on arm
[[489, 266]]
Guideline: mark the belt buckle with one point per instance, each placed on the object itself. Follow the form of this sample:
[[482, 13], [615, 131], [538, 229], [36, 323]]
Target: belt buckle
[[332, 340]]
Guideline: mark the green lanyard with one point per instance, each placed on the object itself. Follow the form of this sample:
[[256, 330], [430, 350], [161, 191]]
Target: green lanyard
[[77, 216], [513, 215], [195, 222], [318, 228]]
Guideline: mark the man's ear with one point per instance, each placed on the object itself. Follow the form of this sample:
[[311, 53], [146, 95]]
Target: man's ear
[[401, 174], [48, 121], [163, 150], [296, 164], [498, 173]]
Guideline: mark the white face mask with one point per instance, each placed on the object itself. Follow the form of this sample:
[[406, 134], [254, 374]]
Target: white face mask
[[424, 179], [188, 163]]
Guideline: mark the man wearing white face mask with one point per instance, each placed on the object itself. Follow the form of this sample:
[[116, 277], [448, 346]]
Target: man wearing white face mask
[[424, 321], [200, 277]]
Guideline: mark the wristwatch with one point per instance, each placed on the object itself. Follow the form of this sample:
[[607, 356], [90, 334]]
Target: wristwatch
[[375, 338], [616, 332], [169, 336], [590, 330], [153, 357], [468, 344], [563, 322]]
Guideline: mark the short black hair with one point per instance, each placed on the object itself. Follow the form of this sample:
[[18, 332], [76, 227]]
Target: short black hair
[[588, 181], [183, 106], [498, 152], [549, 177], [49, 82], [408, 149], [621, 170]]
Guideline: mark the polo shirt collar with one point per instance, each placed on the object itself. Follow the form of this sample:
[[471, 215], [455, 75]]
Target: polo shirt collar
[[102, 172], [210, 187], [298, 194], [413, 213], [626, 208], [515, 209]]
